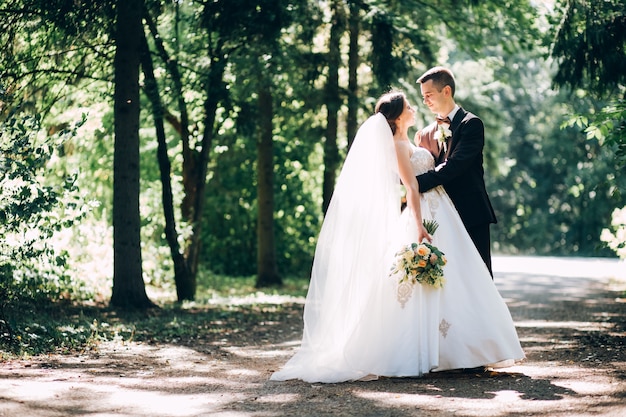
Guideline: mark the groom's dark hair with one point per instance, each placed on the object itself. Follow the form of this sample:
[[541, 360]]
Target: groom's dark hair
[[441, 77]]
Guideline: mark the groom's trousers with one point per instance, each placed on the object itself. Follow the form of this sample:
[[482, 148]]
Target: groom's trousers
[[482, 240]]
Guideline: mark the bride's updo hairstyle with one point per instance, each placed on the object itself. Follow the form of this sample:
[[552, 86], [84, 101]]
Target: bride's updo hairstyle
[[391, 105]]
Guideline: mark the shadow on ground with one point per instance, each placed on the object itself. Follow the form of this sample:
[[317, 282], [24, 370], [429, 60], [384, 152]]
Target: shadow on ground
[[572, 327]]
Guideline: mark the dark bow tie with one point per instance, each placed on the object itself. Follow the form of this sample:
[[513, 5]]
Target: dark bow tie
[[441, 120]]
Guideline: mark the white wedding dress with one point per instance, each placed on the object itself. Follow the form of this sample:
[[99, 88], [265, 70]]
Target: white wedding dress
[[355, 326]]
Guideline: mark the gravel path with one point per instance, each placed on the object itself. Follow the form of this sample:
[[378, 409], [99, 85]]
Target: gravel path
[[570, 315]]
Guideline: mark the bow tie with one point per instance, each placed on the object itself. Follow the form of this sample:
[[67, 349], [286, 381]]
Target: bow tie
[[441, 120]]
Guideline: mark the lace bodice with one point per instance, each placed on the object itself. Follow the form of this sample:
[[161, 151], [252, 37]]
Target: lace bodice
[[421, 160]]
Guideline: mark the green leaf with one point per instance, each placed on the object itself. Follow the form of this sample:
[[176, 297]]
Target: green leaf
[[430, 226]]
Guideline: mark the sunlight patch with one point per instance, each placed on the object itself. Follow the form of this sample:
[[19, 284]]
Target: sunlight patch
[[578, 325], [561, 267], [507, 396], [450, 403], [256, 298], [255, 353], [279, 398], [242, 372]]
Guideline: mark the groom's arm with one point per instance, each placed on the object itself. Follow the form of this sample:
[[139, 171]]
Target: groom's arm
[[467, 150]]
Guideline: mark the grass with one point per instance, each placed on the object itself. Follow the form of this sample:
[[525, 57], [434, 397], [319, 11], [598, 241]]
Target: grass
[[224, 305], [222, 286]]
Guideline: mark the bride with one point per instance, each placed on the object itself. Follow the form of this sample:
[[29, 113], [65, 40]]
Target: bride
[[358, 324]]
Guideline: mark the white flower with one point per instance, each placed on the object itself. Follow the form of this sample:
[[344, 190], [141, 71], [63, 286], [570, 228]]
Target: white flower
[[442, 134]]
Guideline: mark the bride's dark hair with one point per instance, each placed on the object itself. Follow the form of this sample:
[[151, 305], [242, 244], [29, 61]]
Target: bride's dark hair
[[391, 105]]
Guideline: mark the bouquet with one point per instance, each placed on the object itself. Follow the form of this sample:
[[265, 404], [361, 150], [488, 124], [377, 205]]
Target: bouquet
[[418, 263]]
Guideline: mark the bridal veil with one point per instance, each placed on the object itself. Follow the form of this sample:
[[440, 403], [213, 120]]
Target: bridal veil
[[352, 255]]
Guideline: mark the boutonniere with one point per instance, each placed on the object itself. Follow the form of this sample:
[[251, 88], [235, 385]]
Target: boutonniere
[[442, 134]]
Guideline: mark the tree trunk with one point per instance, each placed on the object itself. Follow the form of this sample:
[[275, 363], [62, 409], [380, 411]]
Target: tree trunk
[[382, 50], [267, 269], [197, 177], [353, 65], [185, 286], [128, 286], [190, 163], [333, 103], [195, 163]]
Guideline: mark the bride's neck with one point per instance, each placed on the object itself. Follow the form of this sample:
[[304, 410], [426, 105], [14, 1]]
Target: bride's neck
[[401, 134]]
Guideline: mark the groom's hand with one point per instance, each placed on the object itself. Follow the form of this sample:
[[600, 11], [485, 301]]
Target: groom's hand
[[417, 139]]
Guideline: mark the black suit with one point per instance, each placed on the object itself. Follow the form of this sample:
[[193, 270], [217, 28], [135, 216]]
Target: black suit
[[460, 171]]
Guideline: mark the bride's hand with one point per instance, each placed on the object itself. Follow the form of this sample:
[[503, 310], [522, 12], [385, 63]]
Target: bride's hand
[[423, 234]]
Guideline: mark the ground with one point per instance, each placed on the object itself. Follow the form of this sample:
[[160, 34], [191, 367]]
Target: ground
[[570, 316]]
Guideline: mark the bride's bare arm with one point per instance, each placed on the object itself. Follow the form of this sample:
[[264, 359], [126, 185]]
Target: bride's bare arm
[[403, 153]]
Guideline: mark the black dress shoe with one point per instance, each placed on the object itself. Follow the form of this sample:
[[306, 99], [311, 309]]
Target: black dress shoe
[[477, 370]]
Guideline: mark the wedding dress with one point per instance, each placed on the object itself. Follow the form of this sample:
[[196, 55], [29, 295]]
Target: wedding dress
[[356, 323]]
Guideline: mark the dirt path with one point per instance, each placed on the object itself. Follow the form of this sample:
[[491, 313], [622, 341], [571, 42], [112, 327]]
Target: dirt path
[[570, 315]]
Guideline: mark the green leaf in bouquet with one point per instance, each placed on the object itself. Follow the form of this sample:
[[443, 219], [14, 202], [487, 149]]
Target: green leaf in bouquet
[[430, 226]]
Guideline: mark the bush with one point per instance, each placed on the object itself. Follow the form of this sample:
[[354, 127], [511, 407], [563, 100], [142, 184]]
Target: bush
[[615, 237], [32, 209]]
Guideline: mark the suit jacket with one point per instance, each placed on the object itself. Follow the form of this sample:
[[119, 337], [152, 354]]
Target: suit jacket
[[460, 169]]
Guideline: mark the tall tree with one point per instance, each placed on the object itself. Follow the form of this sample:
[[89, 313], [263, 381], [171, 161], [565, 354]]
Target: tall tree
[[354, 29], [333, 101], [212, 24], [184, 265], [184, 290], [267, 269], [268, 19], [128, 285]]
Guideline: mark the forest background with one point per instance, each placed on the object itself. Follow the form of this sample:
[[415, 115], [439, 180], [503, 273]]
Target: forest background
[[191, 146]]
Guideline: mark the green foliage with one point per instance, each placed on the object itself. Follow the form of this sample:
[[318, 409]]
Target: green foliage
[[553, 191], [45, 328], [225, 305], [50, 46], [412, 34], [553, 188], [229, 288], [230, 241], [32, 270], [545, 182], [615, 235], [608, 126], [561, 186], [590, 45]]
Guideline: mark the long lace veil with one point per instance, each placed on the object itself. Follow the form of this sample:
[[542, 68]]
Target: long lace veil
[[351, 253]]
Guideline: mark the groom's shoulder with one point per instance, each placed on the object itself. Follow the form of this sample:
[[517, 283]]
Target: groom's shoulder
[[469, 117]]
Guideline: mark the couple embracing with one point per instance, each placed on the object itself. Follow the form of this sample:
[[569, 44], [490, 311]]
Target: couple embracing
[[360, 321]]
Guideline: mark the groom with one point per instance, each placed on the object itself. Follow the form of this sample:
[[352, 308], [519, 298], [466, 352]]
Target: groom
[[458, 159]]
